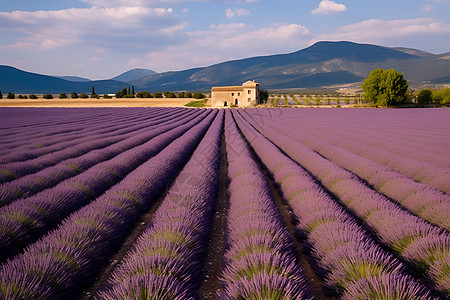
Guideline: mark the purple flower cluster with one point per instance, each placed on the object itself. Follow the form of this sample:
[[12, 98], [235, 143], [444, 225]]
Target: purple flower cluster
[[165, 262], [67, 131], [59, 264], [417, 153], [25, 220], [50, 176], [345, 253], [260, 262], [423, 200], [82, 132], [425, 246]]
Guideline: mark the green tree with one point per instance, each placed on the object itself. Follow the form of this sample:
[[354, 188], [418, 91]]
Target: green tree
[[143, 94], [132, 90], [424, 96], [11, 96], [171, 95], [83, 96], [442, 97], [93, 91], [106, 96], [33, 96], [74, 95], [124, 91], [47, 96], [263, 96], [198, 95], [119, 95], [180, 95], [157, 95], [188, 95], [62, 96], [385, 87], [1, 95]]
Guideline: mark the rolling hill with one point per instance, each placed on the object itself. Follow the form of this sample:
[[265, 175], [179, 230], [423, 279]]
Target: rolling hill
[[18, 81], [322, 64], [133, 74]]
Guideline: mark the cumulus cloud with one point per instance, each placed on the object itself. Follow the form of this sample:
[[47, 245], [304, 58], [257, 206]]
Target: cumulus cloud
[[329, 7], [433, 3], [230, 13], [376, 30], [229, 41], [107, 28]]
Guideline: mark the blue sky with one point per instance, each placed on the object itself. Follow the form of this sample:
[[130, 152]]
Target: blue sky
[[99, 39]]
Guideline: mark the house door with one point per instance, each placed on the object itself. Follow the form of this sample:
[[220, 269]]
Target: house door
[[236, 102], [225, 103]]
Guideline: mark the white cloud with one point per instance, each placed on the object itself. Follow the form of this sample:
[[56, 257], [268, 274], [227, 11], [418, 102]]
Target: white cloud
[[229, 41], [329, 7], [378, 31], [230, 13], [428, 7], [106, 28]]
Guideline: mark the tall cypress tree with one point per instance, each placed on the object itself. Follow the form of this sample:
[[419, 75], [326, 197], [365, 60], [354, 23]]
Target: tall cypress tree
[[93, 91], [132, 90]]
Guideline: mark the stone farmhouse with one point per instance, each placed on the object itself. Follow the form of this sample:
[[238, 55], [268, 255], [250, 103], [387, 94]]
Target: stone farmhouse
[[241, 96]]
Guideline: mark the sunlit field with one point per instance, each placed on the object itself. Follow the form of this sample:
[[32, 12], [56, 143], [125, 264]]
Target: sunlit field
[[255, 203]]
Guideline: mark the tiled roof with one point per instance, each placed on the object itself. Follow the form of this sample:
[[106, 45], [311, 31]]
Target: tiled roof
[[228, 89]]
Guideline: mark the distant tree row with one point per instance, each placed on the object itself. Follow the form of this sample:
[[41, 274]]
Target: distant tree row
[[127, 93], [428, 96]]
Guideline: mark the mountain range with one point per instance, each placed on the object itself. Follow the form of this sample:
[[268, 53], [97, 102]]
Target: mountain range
[[322, 64]]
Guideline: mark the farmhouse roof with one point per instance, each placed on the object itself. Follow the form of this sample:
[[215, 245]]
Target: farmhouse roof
[[227, 88], [250, 83]]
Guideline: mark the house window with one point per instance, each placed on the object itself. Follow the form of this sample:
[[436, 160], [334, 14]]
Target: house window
[[232, 94], [239, 94], [249, 99], [249, 92]]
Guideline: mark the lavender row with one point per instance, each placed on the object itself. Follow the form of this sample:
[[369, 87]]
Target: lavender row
[[65, 125], [165, 262], [37, 122], [63, 262], [28, 185], [72, 141], [25, 220], [428, 203], [352, 264], [27, 147], [424, 246], [397, 137], [436, 176], [260, 262], [403, 149]]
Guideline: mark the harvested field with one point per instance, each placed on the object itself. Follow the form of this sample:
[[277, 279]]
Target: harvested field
[[258, 203]]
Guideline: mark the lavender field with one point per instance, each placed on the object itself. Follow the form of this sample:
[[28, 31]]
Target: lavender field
[[258, 203]]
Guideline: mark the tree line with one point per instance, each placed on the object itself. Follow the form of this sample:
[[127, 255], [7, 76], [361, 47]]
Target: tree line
[[124, 93], [388, 88], [129, 93]]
